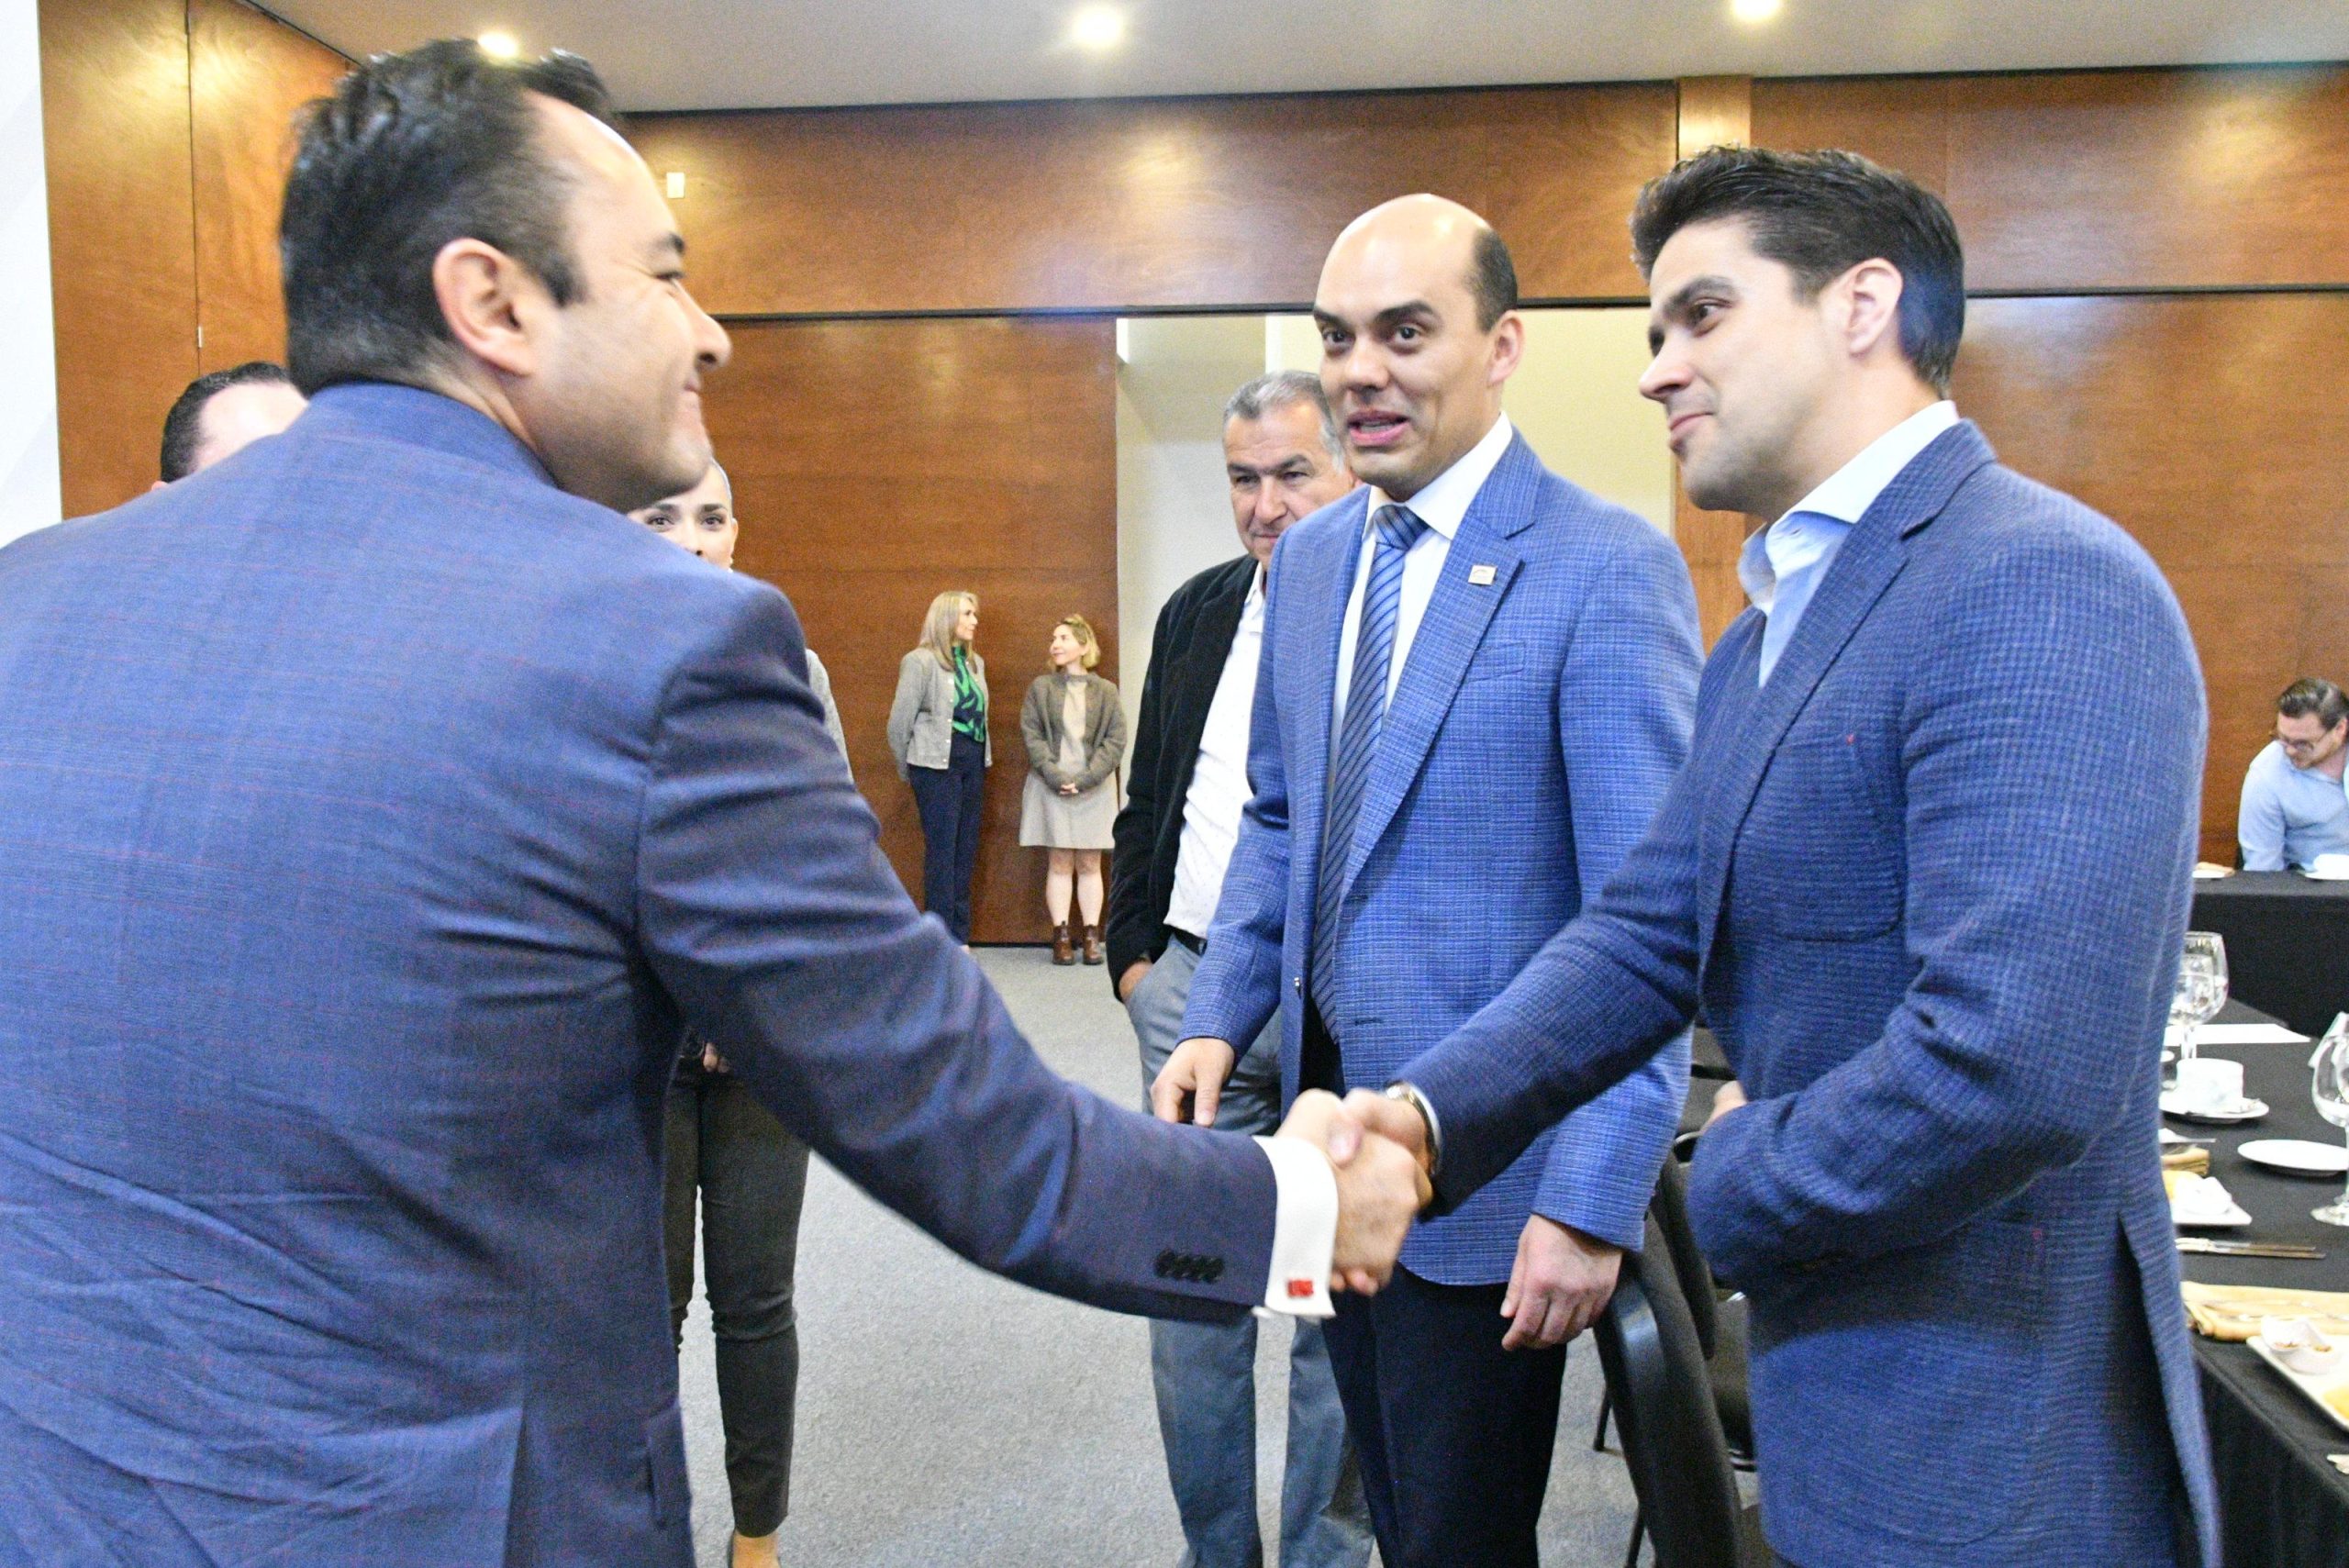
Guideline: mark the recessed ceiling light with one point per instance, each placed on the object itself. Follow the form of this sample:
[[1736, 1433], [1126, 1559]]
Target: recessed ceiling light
[[499, 45], [1098, 28], [1755, 12]]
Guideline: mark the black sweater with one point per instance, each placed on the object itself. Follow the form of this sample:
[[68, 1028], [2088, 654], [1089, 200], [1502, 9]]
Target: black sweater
[[1187, 651]]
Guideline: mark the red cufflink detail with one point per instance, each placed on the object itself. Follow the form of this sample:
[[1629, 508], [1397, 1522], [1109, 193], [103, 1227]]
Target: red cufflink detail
[[1299, 1289]]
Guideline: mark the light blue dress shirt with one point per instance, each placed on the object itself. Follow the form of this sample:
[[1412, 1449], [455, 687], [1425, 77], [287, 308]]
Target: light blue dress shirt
[[2289, 815], [1783, 565]]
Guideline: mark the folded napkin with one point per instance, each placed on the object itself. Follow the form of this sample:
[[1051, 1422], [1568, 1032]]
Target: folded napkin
[[2193, 1160], [2195, 1199], [2233, 1311]]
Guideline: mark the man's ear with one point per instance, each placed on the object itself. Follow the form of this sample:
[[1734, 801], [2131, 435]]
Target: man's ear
[[1872, 293], [1509, 348], [491, 303]]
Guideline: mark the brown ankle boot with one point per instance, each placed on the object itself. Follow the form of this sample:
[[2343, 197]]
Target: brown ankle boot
[[1064, 950], [1093, 953]]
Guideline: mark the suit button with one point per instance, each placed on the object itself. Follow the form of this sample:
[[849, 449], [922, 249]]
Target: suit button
[[1167, 1263], [1214, 1270], [1296, 984]]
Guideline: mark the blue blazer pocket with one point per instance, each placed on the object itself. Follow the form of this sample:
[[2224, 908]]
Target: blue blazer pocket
[[1494, 661], [1820, 857], [1892, 1375]]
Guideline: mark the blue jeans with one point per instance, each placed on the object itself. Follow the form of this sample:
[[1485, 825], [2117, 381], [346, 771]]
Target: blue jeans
[[1205, 1373]]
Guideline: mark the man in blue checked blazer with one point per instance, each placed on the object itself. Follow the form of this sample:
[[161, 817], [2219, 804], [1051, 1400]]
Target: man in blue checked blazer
[[1927, 872], [1477, 682], [378, 805]]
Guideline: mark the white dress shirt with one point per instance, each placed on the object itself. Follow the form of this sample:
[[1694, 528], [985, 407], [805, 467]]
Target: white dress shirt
[[1219, 791], [1781, 566], [1442, 505], [1305, 1230]]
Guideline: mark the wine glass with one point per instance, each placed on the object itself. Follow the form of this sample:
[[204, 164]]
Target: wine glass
[[2201, 990], [2330, 1089]]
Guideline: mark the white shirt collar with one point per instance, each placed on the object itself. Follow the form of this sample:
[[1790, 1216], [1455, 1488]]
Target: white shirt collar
[[1851, 490], [1793, 544], [1442, 504]]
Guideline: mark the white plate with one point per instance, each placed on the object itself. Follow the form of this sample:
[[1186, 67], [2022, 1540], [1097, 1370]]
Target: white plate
[[2299, 1156], [2322, 876], [2313, 1384], [2232, 1218], [2247, 1034], [2247, 1111]]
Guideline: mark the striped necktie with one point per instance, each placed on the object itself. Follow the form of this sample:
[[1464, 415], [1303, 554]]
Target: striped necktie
[[1382, 600]]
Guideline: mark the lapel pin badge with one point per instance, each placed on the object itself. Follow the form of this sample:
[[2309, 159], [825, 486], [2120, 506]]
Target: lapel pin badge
[[1480, 575]]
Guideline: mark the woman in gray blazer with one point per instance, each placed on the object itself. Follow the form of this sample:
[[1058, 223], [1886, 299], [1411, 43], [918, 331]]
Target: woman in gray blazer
[[938, 731], [1075, 731]]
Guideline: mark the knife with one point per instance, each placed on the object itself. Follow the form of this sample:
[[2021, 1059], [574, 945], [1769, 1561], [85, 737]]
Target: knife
[[2248, 1248]]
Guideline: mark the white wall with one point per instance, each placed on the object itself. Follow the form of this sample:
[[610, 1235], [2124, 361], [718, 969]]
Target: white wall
[[1174, 503], [29, 496]]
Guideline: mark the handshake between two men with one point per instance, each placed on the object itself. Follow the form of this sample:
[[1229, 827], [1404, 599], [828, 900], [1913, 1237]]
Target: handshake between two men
[[1378, 1147]]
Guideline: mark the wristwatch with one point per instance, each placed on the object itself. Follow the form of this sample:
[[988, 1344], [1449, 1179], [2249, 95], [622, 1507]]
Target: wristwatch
[[1409, 1095]]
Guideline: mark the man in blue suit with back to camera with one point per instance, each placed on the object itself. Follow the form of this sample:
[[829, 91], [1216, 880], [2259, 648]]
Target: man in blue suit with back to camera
[[1927, 872], [1477, 682], [380, 803]]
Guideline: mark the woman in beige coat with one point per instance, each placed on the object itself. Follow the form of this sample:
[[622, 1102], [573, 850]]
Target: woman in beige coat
[[1075, 731]]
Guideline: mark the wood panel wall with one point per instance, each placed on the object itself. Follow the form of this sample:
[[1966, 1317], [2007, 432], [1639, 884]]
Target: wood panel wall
[[1144, 204], [248, 74], [114, 84], [878, 463], [164, 124], [2215, 428], [2136, 179], [2138, 185]]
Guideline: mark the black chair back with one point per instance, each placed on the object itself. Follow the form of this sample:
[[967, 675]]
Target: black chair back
[[1664, 1408], [1670, 1212]]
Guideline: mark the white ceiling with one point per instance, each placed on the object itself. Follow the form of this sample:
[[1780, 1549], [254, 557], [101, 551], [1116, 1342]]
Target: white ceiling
[[702, 55]]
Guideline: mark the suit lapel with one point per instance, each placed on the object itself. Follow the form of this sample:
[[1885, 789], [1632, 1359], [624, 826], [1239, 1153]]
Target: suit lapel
[[1871, 558], [1447, 640]]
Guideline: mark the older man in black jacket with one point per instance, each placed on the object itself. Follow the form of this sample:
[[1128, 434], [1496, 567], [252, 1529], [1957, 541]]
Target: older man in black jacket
[[1188, 782]]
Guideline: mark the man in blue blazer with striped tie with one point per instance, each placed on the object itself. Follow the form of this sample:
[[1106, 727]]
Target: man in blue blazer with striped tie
[[1477, 682], [379, 804], [1927, 872]]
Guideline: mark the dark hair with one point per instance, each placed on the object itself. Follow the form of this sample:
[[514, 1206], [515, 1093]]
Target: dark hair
[[2310, 696], [409, 153], [183, 426], [1492, 279], [1819, 214]]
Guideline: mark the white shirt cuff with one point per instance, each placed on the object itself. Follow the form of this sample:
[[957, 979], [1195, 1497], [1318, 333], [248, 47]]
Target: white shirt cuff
[[1305, 1230]]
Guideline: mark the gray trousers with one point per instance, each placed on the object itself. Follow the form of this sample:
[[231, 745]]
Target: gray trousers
[[1204, 1374]]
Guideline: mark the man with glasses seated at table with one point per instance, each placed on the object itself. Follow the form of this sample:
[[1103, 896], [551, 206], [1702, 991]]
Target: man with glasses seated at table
[[2294, 805]]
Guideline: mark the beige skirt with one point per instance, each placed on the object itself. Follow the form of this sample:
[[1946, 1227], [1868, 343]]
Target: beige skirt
[[1051, 820]]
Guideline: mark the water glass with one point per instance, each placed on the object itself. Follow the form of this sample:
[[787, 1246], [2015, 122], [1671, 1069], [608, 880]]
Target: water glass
[[2201, 990], [2330, 1088]]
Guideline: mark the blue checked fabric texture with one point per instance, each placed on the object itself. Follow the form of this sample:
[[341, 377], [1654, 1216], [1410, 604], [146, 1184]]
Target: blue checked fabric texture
[[1398, 528]]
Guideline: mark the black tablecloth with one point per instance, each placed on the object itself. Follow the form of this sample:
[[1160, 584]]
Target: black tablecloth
[[2281, 1504], [2287, 942]]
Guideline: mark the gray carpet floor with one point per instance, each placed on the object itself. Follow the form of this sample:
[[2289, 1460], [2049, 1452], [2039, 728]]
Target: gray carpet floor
[[947, 1417]]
